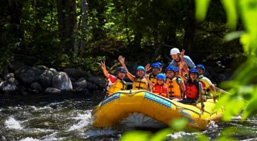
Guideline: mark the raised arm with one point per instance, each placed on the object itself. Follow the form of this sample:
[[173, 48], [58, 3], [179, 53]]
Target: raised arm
[[147, 67], [201, 96], [150, 86], [183, 88], [122, 62], [104, 69], [185, 67]]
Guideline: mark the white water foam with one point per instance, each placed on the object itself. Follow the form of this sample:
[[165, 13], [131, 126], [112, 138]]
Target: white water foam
[[236, 117], [11, 123], [29, 139], [180, 134], [212, 125], [84, 121]]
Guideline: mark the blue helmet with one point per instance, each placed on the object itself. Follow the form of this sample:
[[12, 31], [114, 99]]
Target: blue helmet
[[121, 70], [161, 76], [160, 64], [200, 66], [170, 68], [193, 71], [140, 68], [155, 65], [176, 69]]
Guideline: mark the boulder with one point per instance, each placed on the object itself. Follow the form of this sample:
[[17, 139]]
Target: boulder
[[81, 84], [97, 80], [36, 86], [62, 81], [28, 75], [76, 74], [45, 79], [53, 91]]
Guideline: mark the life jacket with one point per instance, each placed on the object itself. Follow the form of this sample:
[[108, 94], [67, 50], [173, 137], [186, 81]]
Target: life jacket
[[140, 84], [173, 87], [152, 78], [192, 90], [160, 90], [117, 86]]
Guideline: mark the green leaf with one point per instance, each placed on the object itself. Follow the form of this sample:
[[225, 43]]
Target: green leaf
[[233, 107], [251, 107], [136, 136], [201, 7], [202, 137], [230, 8], [248, 11], [179, 124], [233, 35], [161, 135]]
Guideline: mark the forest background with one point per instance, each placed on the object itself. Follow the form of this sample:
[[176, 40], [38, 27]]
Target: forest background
[[80, 33]]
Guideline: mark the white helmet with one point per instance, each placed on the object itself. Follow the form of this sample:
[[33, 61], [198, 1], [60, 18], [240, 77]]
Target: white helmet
[[174, 51]]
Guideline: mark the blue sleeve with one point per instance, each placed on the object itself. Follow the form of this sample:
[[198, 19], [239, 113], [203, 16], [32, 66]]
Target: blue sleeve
[[173, 64], [189, 62]]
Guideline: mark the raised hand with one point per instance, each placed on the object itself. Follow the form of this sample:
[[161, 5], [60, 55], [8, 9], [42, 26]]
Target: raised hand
[[147, 67], [103, 65], [121, 59]]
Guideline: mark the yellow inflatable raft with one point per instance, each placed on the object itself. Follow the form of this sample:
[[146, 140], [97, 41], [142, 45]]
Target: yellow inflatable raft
[[119, 106]]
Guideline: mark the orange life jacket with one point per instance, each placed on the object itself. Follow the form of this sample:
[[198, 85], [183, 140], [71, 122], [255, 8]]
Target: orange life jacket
[[192, 90], [173, 87], [152, 78], [117, 86], [140, 84], [160, 90]]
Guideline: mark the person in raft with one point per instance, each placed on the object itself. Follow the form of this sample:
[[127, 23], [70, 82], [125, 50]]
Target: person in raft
[[175, 85], [193, 90], [179, 58], [115, 83], [156, 69], [206, 82], [140, 81], [159, 87]]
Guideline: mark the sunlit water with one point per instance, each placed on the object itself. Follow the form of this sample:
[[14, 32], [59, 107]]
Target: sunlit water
[[71, 119]]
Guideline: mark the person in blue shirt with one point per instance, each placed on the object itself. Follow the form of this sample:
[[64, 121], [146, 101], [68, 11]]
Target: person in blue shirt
[[176, 59]]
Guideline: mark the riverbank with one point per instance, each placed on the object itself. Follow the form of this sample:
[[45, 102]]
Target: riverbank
[[23, 80]]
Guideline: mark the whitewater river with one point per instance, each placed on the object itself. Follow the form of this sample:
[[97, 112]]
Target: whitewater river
[[71, 119]]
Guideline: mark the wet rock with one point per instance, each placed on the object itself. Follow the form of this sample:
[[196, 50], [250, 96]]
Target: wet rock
[[42, 67], [62, 81], [10, 84], [45, 79], [76, 74], [28, 75], [81, 84], [7, 86], [97, 80], [37, 86], [52, 90], [8, 76], [92, 86]]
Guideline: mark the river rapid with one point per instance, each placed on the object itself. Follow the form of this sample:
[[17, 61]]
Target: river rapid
[[70, 119]]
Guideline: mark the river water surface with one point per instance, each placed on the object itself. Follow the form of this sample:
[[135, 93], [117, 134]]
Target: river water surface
[[71, 119]]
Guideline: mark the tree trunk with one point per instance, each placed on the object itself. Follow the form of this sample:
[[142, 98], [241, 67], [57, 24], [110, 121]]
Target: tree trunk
[[67, 24], [84, 8], [15, 21], [137, 42]]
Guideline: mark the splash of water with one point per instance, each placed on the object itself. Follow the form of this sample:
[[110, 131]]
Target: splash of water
[[12, 123]]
